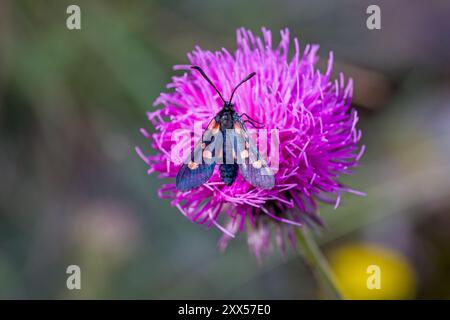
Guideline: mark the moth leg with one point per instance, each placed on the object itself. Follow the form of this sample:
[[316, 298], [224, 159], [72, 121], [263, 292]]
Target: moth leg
[[253, 125], [252, 121]]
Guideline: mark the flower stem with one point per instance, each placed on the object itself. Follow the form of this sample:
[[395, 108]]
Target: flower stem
[[318, 263]]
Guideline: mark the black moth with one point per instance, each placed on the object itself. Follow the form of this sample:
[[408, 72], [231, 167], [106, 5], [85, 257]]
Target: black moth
[[225, 142]]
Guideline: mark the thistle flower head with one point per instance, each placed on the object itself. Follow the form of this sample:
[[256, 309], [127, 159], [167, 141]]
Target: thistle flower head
[[316, 128]]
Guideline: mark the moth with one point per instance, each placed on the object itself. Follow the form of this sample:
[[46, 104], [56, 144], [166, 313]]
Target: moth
[[226, 142]]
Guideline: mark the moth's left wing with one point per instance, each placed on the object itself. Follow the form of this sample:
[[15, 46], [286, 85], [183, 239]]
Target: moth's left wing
[[252, 165], [199, 167]]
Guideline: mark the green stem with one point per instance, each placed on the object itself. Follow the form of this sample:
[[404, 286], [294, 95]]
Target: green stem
[[318, 263]]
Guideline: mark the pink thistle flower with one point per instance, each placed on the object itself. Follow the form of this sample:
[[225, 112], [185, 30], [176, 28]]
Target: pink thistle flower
[[317, 137]]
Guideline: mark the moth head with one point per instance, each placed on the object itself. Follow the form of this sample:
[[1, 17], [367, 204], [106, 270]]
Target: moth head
[[228, 105]]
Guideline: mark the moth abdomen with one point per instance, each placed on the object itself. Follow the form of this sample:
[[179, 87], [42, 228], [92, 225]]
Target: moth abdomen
[[228, 172]]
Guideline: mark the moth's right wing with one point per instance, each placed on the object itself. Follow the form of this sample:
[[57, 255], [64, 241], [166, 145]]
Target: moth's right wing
[[199, 167], [253, 166]]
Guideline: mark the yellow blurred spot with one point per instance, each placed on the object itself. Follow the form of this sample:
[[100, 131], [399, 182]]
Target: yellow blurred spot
[[369, 271]]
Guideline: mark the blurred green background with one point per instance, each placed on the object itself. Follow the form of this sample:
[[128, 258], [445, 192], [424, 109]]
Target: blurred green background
[[73, 191]]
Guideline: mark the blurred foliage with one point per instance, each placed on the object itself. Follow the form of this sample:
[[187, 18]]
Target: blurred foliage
[[73, 191]]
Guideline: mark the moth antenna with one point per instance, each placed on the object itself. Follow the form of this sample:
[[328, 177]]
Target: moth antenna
[[251, 75], [209, 81]]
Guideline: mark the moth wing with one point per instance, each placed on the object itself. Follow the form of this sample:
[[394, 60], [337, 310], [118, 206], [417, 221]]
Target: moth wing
[[253, 166], [199, 167]]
